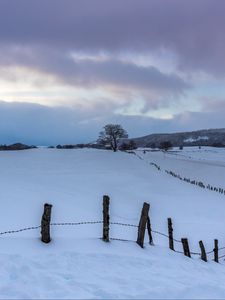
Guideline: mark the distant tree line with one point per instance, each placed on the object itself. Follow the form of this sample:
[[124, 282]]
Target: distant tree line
[[16, 146], [114, 137], [166, 145]]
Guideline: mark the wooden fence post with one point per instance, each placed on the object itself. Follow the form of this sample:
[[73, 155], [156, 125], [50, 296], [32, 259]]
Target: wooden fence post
[[149, 231], [170, 232], [203, 253], [216, 251], [45, 223], [142, 224], [105, 236], [186, 247]]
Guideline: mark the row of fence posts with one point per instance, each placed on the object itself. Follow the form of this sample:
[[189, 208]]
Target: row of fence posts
[[194, 182], [186, 248], [144, 224]]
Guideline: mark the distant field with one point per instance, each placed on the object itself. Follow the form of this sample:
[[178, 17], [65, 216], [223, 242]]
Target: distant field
[[206, 164]]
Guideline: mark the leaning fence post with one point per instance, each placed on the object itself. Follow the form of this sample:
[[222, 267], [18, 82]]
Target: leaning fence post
[[186, 247], [203, 253], [105, 236], [149, 231], [216, 250], [142, 224], [170, 232], [45, 223]]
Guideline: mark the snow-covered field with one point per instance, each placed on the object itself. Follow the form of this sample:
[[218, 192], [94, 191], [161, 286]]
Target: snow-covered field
[[206, 164], [77, 264]]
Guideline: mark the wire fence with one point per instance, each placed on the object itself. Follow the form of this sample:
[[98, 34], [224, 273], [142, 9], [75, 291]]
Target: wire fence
[[195, 182], [19, 230], [111, 238]]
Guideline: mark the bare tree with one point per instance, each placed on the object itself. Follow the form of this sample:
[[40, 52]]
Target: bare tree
[[111, 135]]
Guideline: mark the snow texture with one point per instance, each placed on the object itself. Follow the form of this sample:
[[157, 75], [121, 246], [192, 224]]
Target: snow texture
[[199, 138], [77, 264]]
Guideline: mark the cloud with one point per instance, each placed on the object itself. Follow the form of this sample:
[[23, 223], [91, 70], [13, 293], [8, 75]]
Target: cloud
[[90, 73], [43, 125], [194, 30], [120, 82], [109, 62], [212, 105]]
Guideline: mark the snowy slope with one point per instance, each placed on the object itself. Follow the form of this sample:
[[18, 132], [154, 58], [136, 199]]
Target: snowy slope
[[206, 164], [77, 264]]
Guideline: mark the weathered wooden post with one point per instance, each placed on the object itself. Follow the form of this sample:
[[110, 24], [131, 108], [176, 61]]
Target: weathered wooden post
[[45, 223], [142, 224], [216, 251], [105, 236], [186, 249], [170, 233], [149, 231], [203, 253]]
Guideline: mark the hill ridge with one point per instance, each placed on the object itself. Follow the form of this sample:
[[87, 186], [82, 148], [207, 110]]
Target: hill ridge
[[203, 137]]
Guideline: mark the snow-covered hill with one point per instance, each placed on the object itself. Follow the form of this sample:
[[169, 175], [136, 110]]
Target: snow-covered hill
[[205, 137], [77, 264]]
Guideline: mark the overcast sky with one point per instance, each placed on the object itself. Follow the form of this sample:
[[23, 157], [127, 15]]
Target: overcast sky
[[69, 67]]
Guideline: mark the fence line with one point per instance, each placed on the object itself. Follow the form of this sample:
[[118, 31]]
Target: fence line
[[188, 180], [197, 183], [20, 230], [76, 223], [111, 238], [144, 225]]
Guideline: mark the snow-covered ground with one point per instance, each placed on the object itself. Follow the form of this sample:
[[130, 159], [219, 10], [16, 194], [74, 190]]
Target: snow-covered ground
[[206, 164], [77, 264]]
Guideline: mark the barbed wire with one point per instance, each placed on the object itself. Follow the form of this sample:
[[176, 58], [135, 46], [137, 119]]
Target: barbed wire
[[76, 223], [51, 224], [123, 224], [171, 173], [111, 238], [165, 235], [19, 230]]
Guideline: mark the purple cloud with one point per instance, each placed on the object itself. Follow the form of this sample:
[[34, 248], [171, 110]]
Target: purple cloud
[[88, 73], [194, 30], [42, 35]]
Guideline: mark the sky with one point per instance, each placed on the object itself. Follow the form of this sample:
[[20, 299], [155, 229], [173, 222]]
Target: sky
[[68, 67]]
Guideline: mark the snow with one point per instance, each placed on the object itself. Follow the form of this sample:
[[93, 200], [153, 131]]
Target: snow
[[77, 264], [199, 138], [206, 164]]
